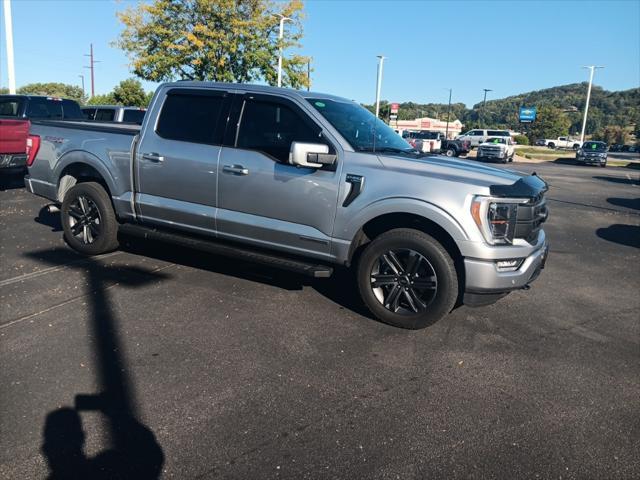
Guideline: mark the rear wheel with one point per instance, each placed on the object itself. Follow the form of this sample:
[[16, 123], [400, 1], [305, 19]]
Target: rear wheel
[[551, 145], [88, 220], [451, 152], [407, 279]]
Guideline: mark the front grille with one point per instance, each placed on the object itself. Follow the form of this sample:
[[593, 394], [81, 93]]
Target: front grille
[[530, 218], [491, 151]]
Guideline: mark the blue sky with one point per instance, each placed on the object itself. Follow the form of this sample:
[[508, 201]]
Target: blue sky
[[508, 46]]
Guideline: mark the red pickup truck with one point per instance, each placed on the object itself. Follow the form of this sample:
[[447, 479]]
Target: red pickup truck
[[15, 112]]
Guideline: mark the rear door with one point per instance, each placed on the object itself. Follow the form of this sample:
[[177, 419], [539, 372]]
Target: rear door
[[177, 160], [264, 200]]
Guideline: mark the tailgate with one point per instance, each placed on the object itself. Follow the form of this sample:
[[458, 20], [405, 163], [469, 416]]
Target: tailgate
[[13, 135]]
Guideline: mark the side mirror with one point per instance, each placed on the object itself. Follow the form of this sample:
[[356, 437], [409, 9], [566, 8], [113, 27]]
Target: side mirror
[[310, 155]]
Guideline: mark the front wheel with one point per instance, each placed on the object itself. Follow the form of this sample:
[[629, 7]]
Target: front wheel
[[407, 279], [88, 220], [450, 152]]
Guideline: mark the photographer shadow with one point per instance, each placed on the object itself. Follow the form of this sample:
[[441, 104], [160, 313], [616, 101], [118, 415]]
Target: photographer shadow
[[134, 451]]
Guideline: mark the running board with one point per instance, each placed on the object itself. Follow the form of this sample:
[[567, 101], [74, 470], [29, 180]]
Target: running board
[[243, 253]]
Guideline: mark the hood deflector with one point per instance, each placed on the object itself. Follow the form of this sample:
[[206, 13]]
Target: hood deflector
[[531, 186]]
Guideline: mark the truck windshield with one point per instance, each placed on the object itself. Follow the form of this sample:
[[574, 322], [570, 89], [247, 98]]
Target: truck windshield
[[9, 107], [359, 127], [594, 146], [496, 140]]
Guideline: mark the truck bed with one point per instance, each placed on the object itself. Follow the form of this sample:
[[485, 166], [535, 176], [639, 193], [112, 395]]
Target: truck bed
[[88, 125]]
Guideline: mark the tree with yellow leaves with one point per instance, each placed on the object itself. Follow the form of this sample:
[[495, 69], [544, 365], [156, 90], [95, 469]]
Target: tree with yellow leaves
[[216, 40]]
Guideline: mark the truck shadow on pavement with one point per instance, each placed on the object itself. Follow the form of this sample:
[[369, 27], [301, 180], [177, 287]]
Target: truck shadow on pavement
[[11, 180], [632, 203], [134, 452], [628, 235], [624, 181], [340, 288]]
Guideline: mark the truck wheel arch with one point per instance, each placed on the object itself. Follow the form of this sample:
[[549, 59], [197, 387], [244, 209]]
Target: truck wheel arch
[[76, 167]]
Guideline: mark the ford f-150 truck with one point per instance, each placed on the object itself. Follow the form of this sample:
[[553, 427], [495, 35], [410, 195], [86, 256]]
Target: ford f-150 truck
[[563, 142], [302, 181]]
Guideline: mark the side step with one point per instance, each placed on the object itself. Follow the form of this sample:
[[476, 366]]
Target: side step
[[227, 250]]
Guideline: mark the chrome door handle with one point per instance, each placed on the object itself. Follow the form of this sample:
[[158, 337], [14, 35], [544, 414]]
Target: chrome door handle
[[153, 157], [235, 169]]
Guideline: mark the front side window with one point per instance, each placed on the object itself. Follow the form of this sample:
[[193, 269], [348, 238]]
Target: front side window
[[133, 116], [190, 117], [271, 127], [475, 133], [105, 114], [360, 127]]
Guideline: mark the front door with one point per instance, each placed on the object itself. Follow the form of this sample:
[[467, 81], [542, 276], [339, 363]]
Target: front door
[[264, 200], [177, 160]]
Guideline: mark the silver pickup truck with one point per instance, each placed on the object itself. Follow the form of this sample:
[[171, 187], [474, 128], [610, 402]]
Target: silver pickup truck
[[302, 181]]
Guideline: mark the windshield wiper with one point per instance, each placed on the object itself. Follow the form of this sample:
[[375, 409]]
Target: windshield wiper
[[410, 151]]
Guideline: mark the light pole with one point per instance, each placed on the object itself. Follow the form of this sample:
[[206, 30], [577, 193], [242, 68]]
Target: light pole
[[91, 66], [379, 83], [82, 77], [484, 101], [592, 69], [280, 36], [446, 133], [8, 30]]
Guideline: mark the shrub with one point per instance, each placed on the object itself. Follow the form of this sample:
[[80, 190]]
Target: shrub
[[521, 139]]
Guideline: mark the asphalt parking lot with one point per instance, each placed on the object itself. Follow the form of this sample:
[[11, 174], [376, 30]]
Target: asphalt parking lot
[[211, 368]]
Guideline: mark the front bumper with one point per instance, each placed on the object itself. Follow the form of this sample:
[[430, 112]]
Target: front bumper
[[591, 160], [13, 160], [484, 284]]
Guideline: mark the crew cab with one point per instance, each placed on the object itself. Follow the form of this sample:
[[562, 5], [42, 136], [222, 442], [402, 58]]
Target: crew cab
[[563, 142], [114, 113], [15, 112], [453, 148], [477, 136], [501, 149], [302, 181]]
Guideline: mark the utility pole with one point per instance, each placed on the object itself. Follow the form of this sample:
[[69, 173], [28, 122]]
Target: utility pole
[[92, 62], [308, 75], [592, 69], [379, 83], [82, 77], [446, 134], [8, 30], [280, 37]]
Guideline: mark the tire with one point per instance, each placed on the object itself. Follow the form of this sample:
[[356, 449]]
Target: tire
[[400, 259], [451, 152], [88, 220], [576, 146], [551, 145], [603, 165]]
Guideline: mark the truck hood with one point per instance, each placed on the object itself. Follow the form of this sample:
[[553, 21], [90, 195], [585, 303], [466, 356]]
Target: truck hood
[[491, 144], [457, 170]]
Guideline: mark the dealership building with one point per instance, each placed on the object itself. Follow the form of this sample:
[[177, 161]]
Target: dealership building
[[426, 123]]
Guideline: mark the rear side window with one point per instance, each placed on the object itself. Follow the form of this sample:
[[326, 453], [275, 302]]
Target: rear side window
[[475, 133], [44, 108], [71, 110], [9, 107], [270, 127], [89, 113], [190, 117], [105, 115], [133, 116]]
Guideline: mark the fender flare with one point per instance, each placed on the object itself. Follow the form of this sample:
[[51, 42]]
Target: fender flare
[[86, 158]]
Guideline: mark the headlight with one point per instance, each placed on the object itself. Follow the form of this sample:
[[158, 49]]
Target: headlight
[[496, 218], [602, 155]]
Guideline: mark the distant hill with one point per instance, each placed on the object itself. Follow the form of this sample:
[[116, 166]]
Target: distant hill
[[620, 108]]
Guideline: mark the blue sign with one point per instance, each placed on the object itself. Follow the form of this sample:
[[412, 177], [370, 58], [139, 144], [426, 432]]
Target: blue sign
[[527, 114]]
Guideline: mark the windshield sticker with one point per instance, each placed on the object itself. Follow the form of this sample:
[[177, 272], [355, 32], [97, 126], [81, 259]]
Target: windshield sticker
[[320, 104], [495, 140], [593, 146]]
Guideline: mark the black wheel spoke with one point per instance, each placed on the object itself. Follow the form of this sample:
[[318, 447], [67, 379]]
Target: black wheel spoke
[[428, 283], [393, 298], [414, 300], [75, 212], [393, 262], [379, 280], [414, 263], [76, 228], [410, 300]]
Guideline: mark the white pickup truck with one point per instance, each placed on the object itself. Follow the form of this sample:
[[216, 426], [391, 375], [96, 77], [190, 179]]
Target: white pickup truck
[[563, 142]]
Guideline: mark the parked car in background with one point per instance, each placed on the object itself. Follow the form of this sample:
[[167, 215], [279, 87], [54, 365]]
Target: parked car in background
[[616, 147], [15, 112], [304, 182], [592, 153], [501, 149], [114, 113], [541, 142], [453, 148], [423, 140], [476, 137], [563, 142]]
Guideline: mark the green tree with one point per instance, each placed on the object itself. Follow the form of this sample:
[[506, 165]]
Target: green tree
[[551, 122], [106, 99], [53, 89], [219, 40], [4, 90], [130, 93], [612, 134]]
